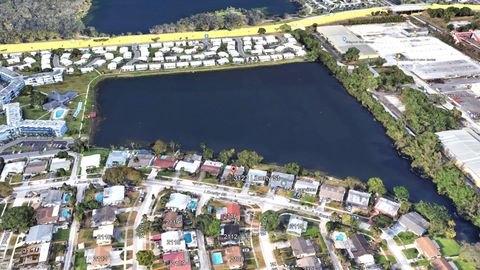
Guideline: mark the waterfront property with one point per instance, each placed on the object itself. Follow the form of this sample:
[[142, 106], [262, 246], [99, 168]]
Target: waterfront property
[[10, 85]]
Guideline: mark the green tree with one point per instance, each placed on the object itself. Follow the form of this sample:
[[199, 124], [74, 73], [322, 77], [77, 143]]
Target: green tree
[[18, 219], [292, 168], [208, 153], [249, 158], [285, 28], [401, 193], [144, 227], [352, 54], [123, 176], [270, 221], [62, 154], [159, 147], [375, 185], [439, 218], [208, 225], [5, 190], [226, 155], [37, 99], [469, 252], [145, 257], [262, 31]]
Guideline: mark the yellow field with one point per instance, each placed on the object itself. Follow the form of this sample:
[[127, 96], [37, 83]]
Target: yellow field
[[148, 38]]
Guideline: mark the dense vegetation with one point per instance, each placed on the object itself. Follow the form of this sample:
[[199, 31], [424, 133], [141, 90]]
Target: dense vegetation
[[423, 150], [122, 176], [450, 12], [224, 19], [421, 115], [18, 219], [377, 17], [26, 21], [391, 78]]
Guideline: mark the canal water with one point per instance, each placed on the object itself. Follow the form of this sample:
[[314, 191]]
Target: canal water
[[287, 113], [122, 16]]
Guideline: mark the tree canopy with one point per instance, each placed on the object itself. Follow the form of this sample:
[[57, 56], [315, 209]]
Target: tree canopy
[[18, 219], [352, 54], [270, 221], [375, 185], [122, 176], [145, 257], [208, 225], [249, 158]]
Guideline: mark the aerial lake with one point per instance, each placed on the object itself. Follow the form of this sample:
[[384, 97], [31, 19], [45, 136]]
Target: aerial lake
[[287, 113], [122, 16]]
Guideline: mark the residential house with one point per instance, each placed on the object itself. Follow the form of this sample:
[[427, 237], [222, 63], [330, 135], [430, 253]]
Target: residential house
[[103, 216], [164, 163], [178, 201], [302, 247], [227, 172], [39, 234], [230, 213], [172, 221], [173, 241], [12, 168], [33, 256], [441, 264], [52, 197], [332, 193], [47, 215], [281, 180], [229, 234], [307, 186], [99, 257], [56, 100], [310, 263], [233, 256], [60, 163], [103, 235], [113, 195], [358, 199], [360, 250], [256, 177], [179, 260], [387, 207], [414, 222], [35, 167], [427, 248], [190, 164], [296, 225], [141, 159], [211, 167], [116, 159], [90, 162]]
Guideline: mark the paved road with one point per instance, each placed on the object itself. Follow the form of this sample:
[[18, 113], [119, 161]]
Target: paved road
[[72, 239], [331, 249]]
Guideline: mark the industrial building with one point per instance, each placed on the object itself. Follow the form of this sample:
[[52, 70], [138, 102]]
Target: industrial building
[[463, 147], [342, 39]]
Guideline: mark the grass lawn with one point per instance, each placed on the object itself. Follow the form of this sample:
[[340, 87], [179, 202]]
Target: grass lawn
[[405, 238], [210, 180], [61, 235], [410, 253], [463, 265], [86, 236], [448, 247], [80, 261]]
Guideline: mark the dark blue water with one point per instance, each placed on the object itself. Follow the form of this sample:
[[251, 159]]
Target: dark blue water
[[287, 113], [122, 16]]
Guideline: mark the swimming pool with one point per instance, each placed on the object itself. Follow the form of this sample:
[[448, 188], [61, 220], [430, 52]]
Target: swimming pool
[[217, 258], [188, 238], [99, 197], [192, 205], [59, 113], [340, 237]]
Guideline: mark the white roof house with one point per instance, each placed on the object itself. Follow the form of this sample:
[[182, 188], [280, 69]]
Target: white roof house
[[92, 161], [173, 241], [256, 177], [113, 195], [190, 167], [296, 225], [60, 163], [14, 167], [358, 198], [178, 201], [306, 185], [39, 234], [387, 207], [104, 234]]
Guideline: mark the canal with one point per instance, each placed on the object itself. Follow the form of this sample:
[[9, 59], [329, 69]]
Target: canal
[[122, 16], [287, 113]]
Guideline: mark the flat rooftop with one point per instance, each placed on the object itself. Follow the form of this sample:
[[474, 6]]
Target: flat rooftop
[[343, 39]]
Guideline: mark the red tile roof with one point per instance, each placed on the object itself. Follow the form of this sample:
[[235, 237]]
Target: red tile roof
[[44, 215], [164, 162], [233, 212], [177, 260], [213, 170]]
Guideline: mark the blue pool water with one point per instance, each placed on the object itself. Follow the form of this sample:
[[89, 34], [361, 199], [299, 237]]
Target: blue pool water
[[192, 205], [340, 237], [100, 197], [217, 258], [59, 113], [188, 238], [65, 213]]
